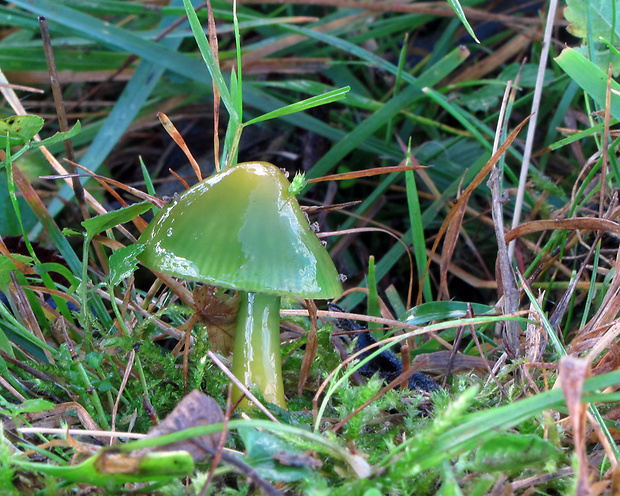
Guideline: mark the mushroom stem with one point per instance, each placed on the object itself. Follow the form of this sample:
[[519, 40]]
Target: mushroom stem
[[256, 353]]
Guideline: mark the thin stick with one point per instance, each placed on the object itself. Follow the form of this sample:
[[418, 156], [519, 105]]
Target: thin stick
[[182, 181], [78, 188], [431, 8], [216, 94], [240, 385], [188, 334], [220, 446], [80, 432], [7, 385], [21, 87], [61, 112], [126, 375], [492, 374], [531, 130], [601, 204]]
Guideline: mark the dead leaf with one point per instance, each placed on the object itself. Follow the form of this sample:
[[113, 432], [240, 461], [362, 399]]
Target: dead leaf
[[615, 480], [286, 65], [312, 344], [366, 173], [536, 338], [449, 244], [573, 372], [196, 409], [218, 312], [178, 139], [437, 362], [581, 223]]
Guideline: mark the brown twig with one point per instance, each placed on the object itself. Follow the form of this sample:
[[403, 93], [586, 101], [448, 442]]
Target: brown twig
[[61, 112], [126, 375], [220, 446], [216, 94]]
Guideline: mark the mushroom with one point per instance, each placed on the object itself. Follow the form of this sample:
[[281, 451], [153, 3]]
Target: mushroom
[[242, 229]]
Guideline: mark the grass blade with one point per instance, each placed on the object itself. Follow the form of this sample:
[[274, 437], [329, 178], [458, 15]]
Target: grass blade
[[590, 78], [309, 103], [458, 10]]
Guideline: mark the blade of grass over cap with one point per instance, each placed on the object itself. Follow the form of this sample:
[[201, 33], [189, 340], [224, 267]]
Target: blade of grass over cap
[[458, 10], [210, 60], [308, 103]]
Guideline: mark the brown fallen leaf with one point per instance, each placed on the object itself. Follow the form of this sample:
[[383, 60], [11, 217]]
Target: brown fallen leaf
[[196, 409], [218, 312], [437, 362], [312, 344]]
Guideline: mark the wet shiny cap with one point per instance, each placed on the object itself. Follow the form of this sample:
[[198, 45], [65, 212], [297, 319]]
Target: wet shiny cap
[[241, 229]]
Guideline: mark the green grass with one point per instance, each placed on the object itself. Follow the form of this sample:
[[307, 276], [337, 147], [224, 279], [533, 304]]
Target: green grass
[[89, 339]]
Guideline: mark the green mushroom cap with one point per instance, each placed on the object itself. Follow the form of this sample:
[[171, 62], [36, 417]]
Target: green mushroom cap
[[241, 229]]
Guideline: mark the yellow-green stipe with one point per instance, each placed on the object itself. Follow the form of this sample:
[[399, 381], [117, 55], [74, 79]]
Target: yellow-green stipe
[[256, 355]]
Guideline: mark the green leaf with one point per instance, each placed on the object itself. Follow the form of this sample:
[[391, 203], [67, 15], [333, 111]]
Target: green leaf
[[602, 16], [7, 266], [70, 232], [365, 129], [34, 405], [513, 453], [19, 129], [209, 58], [373, 293], [123, 263], [5, 344], [449, 486], [45, 268], [155, 57], [112, 219], [77, 127], [458, 10], [94, 359], [261, 448], [417, 228], [590, 78], [306, 104], [103, 386], [427, 312]]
